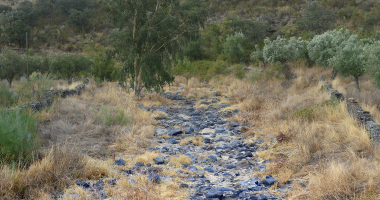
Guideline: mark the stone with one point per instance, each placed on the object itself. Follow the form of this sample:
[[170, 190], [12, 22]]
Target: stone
[[209, 169], [74, 196], [230, 166], [82, 183], [175, 132], [223, 105], [172, 141], [192, 168], [234, 124], [139, 164], [269, 180], [207, 140], [214, 193], [120, 162], [154, 177], [219, 130], [112, 181], [188, 130], [216, 94], [213, 158], [159, 161], [183, 185]]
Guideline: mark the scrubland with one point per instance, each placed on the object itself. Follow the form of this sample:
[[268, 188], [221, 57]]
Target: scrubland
[[318, 143]]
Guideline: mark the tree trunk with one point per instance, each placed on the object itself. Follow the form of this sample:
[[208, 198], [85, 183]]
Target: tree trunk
[[19, 44], [334, 73], [357, 82], [10, 81], [264, 65]]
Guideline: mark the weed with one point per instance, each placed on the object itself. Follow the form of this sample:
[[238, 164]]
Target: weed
[[7, 97]]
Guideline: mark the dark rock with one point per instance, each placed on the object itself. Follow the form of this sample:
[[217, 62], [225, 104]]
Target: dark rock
[[172, 141], [82, 183], [154, 177], [269, 180], [120, 162], [216, 94], [159, 161], [148, 165], [230, 166], [207, 140], [112, 181], [164, 149], [256, 188], [139, 164], [175, 132], [183, 185], [223, 105], [234, 124], [200, 176], [302, 184], [214, 193]]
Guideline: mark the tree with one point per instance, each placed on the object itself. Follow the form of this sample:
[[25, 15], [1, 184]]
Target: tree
[[150, 36], [349, 59], [64, 6], [323, 47], [16, 32], [258, 55], [5, 9], [44, 7], [104, 64], [11, 65], [25, 12], [78, 19], [69, 65], [185, 69], [233, 47], [280, 50], [316, 18], [372, 61]]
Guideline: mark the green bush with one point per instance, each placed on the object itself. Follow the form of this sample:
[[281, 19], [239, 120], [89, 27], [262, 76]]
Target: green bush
[[108, 116], [239, 71], [7, 98], [18, 133]]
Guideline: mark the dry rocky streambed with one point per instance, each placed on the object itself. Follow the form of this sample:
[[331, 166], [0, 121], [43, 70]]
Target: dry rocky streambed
[[223, 166]]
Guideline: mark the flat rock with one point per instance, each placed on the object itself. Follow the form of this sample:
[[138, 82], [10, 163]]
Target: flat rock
[[120, 162], [159, 161], [176, 132]]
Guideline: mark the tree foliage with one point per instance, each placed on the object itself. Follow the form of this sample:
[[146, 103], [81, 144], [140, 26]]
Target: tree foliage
[[69, 65], [150, 35], [317, 18], [281, 50], [349, 59], [259, 55], [11, 65], [372, 61], [233, 47], [64, 6], [78, 19]]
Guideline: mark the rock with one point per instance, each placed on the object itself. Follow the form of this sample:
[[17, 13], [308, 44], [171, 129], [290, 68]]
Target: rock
[[230, 166], [139, 164], [213, 158], [214, 193], [188, 130], [269, 181], [223, 105], [175, 132], [256, 188], [219, 130], [164, 149], [148, 165], [120, 162], [192, 168], [154, 177], [112, 181], [234, 124], [172, 141], [183, 185], [207, 140], [216, 94], [159, 161], [209, 169], [82, 183], [302, 184], [243, 164], [74, 196]]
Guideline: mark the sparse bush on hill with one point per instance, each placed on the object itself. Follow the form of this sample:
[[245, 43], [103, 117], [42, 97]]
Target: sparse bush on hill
[[316, 18]]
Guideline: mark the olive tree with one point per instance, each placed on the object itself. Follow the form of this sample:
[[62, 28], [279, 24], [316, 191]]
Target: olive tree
[[11, 65], [349, 59], [259, 55], [323, 47], [372, 61], [281, 50], [233, 47], [69, 65], [150, 36]]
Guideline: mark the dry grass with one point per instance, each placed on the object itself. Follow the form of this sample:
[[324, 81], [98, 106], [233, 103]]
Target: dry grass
[[178, 160], [196, 141], [146, 158]]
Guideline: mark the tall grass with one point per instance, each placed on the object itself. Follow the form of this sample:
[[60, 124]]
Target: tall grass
[[33, 90], [18, 133]]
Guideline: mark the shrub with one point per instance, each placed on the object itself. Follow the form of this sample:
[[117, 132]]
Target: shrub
[[34, 89], [18, 133], [7, 98], [239, 71], [233, 47]]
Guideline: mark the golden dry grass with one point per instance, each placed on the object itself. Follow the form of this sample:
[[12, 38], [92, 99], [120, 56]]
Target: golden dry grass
[[178, 160], [196, 141]]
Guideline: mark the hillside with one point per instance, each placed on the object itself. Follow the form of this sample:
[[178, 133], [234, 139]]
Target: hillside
[[190, 99]]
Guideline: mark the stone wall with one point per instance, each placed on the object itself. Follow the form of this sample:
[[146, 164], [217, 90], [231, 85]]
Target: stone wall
[[49, 96], [362, 116]]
